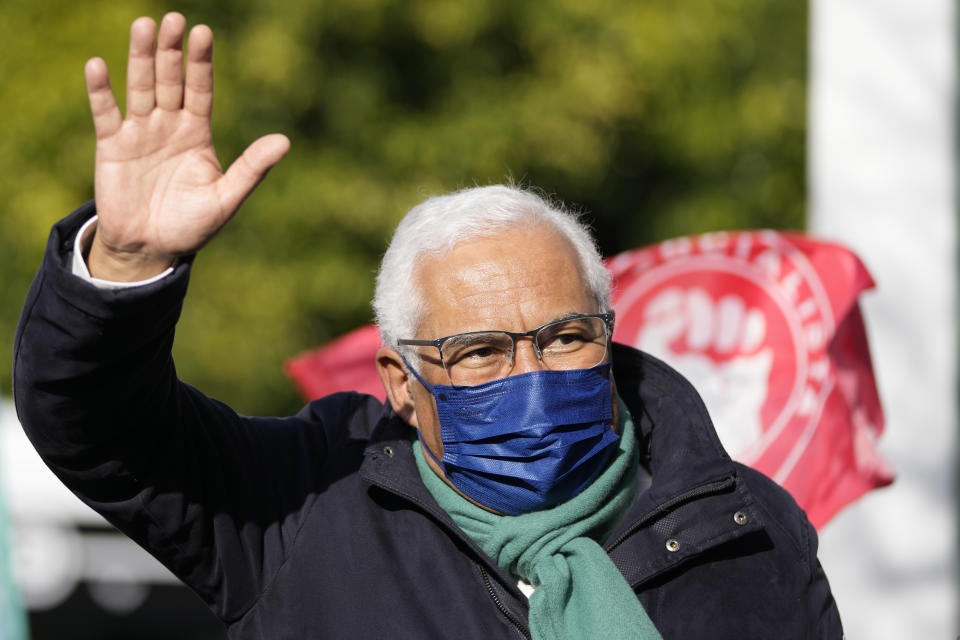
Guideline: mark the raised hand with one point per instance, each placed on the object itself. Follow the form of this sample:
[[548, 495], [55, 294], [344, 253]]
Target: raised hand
[[160, 191]]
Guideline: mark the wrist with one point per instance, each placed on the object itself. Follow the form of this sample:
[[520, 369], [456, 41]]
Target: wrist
[[105, 263]]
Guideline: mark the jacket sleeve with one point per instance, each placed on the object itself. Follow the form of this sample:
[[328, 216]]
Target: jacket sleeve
[[215, 496], [816, 612], [824, 614]]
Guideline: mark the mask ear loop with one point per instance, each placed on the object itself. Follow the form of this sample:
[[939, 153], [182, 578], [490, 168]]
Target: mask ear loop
[[417, 375], [423, 445]]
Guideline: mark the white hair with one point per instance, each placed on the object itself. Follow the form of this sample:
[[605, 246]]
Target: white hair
[[437, 224]]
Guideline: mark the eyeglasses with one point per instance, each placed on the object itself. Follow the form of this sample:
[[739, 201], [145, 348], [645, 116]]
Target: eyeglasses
[[577, 342]]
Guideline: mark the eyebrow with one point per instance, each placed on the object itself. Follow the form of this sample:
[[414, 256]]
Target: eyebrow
[[572, 314], [468, 338], [569, 315], [428, 342]]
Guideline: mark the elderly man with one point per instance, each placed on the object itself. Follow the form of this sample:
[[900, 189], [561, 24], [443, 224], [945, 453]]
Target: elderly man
[[527, 477]]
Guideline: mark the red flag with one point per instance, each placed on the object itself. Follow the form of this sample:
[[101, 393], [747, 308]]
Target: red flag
[[346, 364], [767, 327]]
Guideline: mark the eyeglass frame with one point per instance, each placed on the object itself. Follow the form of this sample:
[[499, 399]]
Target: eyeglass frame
[[607, 318]]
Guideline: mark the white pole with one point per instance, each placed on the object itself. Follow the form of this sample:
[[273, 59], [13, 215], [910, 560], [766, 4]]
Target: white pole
[[881, 169]]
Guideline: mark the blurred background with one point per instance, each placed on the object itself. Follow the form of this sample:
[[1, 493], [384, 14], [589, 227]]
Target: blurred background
[[658, 118]]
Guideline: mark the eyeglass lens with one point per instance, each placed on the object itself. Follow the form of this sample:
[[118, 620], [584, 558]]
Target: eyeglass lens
[[478, 357]]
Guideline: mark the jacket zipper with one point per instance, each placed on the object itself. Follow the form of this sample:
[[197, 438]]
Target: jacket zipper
[[503, 609], [703, 490]]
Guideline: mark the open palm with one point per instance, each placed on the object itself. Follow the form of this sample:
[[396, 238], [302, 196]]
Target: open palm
[[160, 191]]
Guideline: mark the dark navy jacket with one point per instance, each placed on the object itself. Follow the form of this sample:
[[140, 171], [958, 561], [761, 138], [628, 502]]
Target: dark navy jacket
[[318, 526]]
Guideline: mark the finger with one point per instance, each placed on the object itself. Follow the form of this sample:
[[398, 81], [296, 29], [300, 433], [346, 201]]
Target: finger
[[169, 62], [250, 168], [198, 92], [663, 321], [140, 78], [106, 114], [700, 316], [754, 331], [730, 318]]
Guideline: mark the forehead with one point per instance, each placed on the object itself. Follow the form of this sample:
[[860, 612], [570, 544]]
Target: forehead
[[516, 280]]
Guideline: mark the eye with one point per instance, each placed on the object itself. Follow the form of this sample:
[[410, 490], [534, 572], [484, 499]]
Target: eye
[[479, 353], [570, 335], [476, 350], [569, 339]]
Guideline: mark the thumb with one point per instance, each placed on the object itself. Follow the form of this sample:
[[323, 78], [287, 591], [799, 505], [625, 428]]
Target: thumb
[[246, 172]]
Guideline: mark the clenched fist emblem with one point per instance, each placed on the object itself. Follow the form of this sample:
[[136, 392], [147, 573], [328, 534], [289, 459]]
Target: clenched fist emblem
[[719, 346]]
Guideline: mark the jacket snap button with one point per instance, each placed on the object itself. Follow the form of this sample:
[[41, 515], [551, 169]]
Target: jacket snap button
[[388, 450], [673, 545], [740, 517]]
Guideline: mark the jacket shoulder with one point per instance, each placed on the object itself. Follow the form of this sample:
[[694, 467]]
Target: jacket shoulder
[[346, 415], [780, 510]]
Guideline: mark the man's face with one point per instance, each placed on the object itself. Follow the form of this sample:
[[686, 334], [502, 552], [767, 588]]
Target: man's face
[[516, 280]]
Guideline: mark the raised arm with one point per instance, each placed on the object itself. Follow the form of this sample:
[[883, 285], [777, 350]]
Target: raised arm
[[160, 191], [213, 495]]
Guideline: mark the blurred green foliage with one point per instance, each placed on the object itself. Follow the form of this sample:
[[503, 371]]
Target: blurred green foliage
[[659, 118]]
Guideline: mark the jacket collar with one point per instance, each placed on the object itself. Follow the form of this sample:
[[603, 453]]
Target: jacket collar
[[695, 499], [389, 464]]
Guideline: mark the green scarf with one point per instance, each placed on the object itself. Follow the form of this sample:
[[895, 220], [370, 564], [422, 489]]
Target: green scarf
[[579, 592]]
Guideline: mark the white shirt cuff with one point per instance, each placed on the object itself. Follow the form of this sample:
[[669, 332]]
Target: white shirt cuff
[[79, 266]]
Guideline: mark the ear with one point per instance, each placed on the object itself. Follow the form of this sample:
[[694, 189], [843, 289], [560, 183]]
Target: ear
[[396, 382]]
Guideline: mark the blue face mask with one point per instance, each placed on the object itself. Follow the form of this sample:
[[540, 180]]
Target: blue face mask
[[526, 442]]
